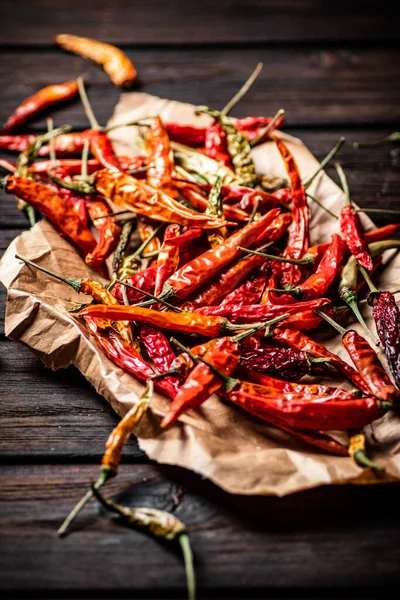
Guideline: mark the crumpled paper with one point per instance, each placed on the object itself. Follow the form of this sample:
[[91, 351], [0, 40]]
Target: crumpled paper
[[239, 453]]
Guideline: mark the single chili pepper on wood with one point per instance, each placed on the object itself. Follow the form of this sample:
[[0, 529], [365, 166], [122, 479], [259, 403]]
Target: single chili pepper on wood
[[41, 100], [54, 207], [114, 62], [168, 258]]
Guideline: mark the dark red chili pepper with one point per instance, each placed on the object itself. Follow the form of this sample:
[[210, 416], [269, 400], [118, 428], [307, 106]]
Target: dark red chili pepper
[[387, 321], [246, 198], [298, 241], [186, 134], [168, 258], [299, 341], [67, 143], [201, 269], [54, 207], [159, 175], [145, 280], [158, 350], [284, 363], [73, 199], [216, 146], [253, 127], [41, 100], [247, 293], [109, 232]]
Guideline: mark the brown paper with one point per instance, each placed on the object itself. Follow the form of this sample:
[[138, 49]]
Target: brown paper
[[238, 452]]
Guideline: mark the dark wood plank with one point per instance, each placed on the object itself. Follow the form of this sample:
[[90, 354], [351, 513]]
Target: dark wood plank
[[322, 86], [256, 546], [175, 22]]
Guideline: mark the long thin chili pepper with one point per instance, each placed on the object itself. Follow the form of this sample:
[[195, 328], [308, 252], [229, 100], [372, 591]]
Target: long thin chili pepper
[[192, 275], [158, 350], [299, 341], [186, 134], [367, 363], [160, 524], [215, 209], [41, 100], [159, 176], [109, 232], [115, 63], [54, 207], [298, 241], [185, 238], [144, 280], [216, 146], [146, 228], [248, 293], [74, 165], [133, 194], [168, 258], [351, 228]]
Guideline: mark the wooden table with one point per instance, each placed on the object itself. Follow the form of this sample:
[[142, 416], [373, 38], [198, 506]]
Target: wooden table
[[334, 67]]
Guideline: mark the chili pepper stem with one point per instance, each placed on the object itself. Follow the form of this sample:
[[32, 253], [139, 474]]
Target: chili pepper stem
[[184, 543], [329, 320], [31, 214], [351, 300], [325, 161], [83, 186], [307, 259], [72, 281], [343, 182], [362, 460], [255, 210], [322, 206], [94, 124], [268, 128], [367, 278], [267, 325], [393, 137], [384, 211], [104, 475], [133, 287], [243, 90]]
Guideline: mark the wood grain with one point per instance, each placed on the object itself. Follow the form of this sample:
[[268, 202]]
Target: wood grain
[[226, 21]]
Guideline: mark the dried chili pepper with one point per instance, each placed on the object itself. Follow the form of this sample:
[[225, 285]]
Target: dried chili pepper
[[158, 350], [190, 192], [144, 280], [133, 194], [109, 232], [159, 176], [168, 258], [186, 134], [276, 361], [192, 275], [351, 228], [298, 241], [132, 263], [7, 165], [299, 341], [74, 200], [120, 250], [160, 524], [103, 151], [146, 228], [185, 238], [115, 63], [248, 293], [44, 98], [215, 145], [308, 411], [215, 209], [54, 207]]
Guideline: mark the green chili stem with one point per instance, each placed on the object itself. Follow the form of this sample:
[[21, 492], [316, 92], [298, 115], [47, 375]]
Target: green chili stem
[[255, 209], [85, 156], [50, 127], [188, 560], [72, 281], [393, 137], [322, 206], [140, 170], [387, 211], [151, 254], [82, 187], [349, 296], [367, 278], [343, 181], [142, 246], [267, 325], [307, 259], [325, 161], [155, 298], [94, 124], [328, 319], [268, 128], [361, 458], [104, 475], [243, 90], [31, 214], [115, 214]]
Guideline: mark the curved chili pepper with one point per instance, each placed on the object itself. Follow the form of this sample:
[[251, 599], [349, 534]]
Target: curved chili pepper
[[115, 63], [369, 367], [186, 134], [134, 195], [351, 230], [307, 411], [190, 192], [109, 232], [145, 280], [215, 145], [298, 241], [245, 198], [387, 321], [158, 350], [67, 143], [146, 228], [76, 201], [159, 175], [253, 127], [192, 275], [248, 293], [185, 238], [103, 151], [284, 363], [54, 207], [168, 258], [299, 341], [41, 100]]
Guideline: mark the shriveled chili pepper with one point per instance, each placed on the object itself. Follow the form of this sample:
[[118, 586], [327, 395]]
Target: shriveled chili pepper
[[160, 524], [75, 200], [158, 350], [134, 195], [245, 198], [41, 100], [131, 264], [114, 62], [168, 258], [299, 341], [185, 322], [54, 207], [256, 312], [145, 280], [215, 145], [192, 275], [121, 249], [298, 241], [109, 232], [146, 227], [159, 175], [276, 361], [190, 192], [185, 238], [248, 293], [308, 411], [254, 128], [74, 165], [351, 228], [103, 151]]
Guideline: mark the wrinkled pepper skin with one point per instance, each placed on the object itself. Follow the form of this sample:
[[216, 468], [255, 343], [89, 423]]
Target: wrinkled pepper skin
[[351, 230], [387, 321]]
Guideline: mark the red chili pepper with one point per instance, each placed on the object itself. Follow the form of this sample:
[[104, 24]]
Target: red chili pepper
[[387, 321], [246, 199], [247, 293], [146, 228], [257, 312], [252, 127], [159, 175], [216, 146], [54, 207], [273, 282], [298, 241], [145, 280], [42, 99], [307, 411], [299, 341], [123, 355], [7, 165], [191, 193], [185, 238], [369, 367], [186, 134], [109, 232], [201, 269], [351, 230], [269, 358], [168, 258], [103, 151], [158, 350]]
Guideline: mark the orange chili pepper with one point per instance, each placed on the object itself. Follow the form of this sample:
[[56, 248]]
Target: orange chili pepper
[[109, 232], [168, 258], [146, 228], [159, 175]]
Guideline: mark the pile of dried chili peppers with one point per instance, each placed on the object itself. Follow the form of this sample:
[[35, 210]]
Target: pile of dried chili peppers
[[213, 286]]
